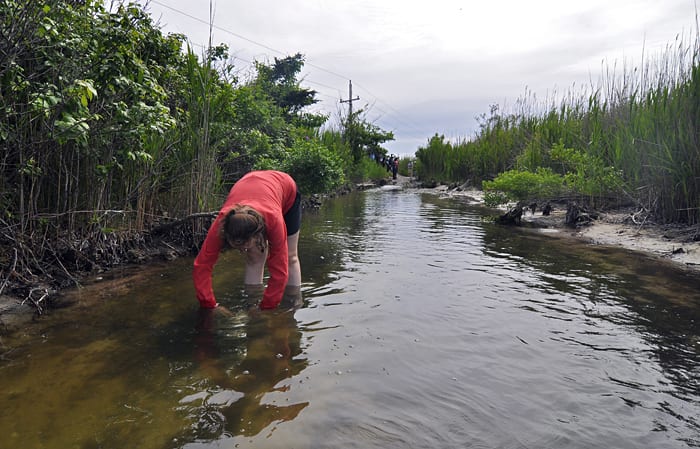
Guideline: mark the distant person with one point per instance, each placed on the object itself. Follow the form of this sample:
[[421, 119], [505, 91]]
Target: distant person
[[261, 217], [395, 167]]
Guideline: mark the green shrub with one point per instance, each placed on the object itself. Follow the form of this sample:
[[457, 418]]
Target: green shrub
[[371, 170], [586, 174], [315, 168], [516, 185]]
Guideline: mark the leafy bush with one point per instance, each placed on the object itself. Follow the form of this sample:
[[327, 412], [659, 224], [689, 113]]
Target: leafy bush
[[315, 168], [586, 174], [516, 185], [367, 169]]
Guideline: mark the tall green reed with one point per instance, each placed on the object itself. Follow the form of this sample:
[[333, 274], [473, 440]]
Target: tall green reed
[[642, 121]]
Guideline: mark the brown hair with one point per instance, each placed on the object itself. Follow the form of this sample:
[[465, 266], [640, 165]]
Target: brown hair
[[241, 224]]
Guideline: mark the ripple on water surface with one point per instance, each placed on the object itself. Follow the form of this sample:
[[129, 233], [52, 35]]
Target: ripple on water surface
[[424, 326]]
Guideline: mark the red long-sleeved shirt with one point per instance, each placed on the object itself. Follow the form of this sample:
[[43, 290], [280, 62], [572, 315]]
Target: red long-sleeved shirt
[[272, 194]]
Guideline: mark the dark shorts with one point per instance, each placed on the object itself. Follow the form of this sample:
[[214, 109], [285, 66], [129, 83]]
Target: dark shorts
[[292, 218]]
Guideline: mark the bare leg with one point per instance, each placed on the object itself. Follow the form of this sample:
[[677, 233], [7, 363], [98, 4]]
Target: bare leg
[[294, 267], [254, 265]]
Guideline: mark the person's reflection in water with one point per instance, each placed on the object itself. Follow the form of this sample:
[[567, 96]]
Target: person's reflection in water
[[272, 342]]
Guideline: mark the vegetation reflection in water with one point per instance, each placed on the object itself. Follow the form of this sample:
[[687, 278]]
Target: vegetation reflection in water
[[136, 364], [263, 360], [423, 325]]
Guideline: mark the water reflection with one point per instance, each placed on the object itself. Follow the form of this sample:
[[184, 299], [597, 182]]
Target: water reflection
[[245, 358], [324, 242], [422, 325], [635, 295]]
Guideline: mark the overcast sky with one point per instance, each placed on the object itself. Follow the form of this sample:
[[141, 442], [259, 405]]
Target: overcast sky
[[426, 67]]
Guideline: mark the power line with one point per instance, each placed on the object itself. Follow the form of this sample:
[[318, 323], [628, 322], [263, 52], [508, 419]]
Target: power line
[[322, 85], [307, 63], [242, 37], [248, 40], [413, 125], [197, 19]]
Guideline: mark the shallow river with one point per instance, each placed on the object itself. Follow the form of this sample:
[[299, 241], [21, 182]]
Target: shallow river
[[423, 326]]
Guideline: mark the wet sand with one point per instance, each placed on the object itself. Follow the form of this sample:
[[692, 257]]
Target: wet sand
[[613, 228]]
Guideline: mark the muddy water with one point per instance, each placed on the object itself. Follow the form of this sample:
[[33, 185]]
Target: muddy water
[[423, 326]]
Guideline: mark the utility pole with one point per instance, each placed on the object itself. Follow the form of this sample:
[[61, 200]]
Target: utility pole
[[350, 100]]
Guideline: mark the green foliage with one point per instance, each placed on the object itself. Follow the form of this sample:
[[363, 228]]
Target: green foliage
[[364, 138], [445, 161], [634, 134], [99, 110], [356, 159], [406, 165], [372, 171], [367, 170], [314, 167], [279, 81], [516, 185], [79, 99], [435, 159], [577, 173], [334, 140], [586, 174]]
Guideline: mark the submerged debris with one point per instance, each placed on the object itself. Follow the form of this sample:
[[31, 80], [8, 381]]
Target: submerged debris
[[512, 217], [577, 215]]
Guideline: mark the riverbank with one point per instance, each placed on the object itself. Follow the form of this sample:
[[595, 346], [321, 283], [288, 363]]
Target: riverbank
[[619, 228], [26, 298], [624, 228]]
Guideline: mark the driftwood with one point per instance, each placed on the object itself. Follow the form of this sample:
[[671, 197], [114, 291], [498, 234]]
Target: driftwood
[[45, 293], [9, 273], [166, 227], [577, 215], [35, 267], [512, 217], [515, 214]]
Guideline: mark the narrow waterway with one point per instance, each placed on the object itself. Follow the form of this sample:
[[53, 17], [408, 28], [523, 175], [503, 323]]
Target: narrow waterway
[[424, 325]]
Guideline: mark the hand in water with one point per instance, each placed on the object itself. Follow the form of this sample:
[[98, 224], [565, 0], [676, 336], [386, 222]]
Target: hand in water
[[222, 310], [254, 311], [253, 294], [292, 299]]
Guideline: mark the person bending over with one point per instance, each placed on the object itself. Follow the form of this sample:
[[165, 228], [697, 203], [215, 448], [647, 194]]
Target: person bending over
[[261, 217]]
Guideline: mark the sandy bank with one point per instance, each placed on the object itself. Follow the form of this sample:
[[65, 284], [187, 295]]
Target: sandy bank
[[617, 228], [679, 245]]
